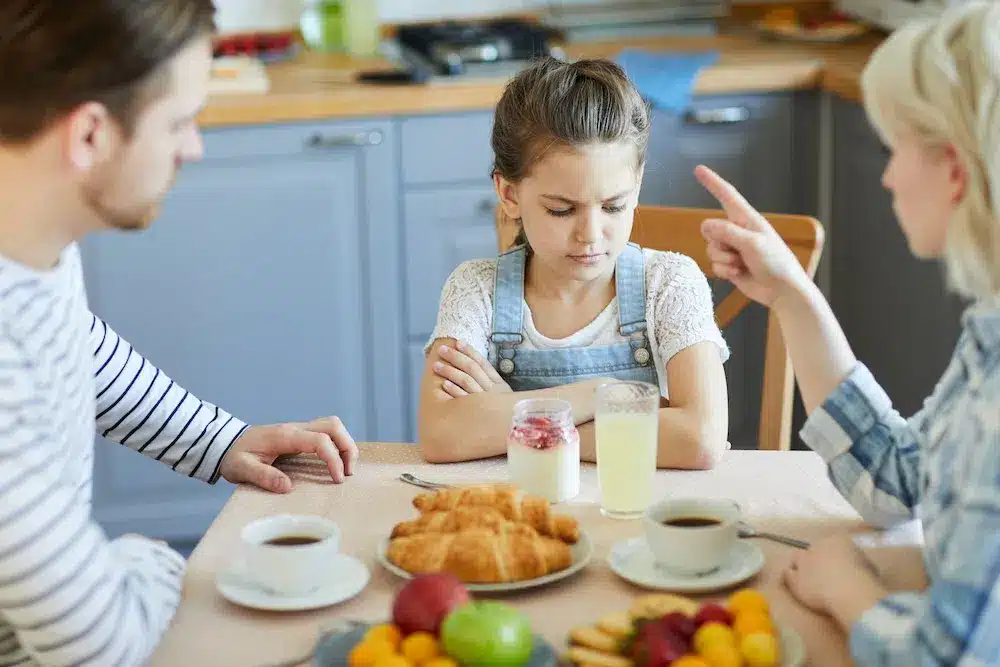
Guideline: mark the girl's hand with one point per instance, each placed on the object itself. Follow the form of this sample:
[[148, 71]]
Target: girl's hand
[[745, 249], [834, 577], [465, 371]]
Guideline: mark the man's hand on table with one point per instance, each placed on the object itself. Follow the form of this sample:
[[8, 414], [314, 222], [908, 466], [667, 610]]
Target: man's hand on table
[[834, 577], [250, 459]]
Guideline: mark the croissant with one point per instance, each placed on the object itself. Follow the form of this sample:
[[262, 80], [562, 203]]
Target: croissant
[[514, 553], [511, 503], [461, 518]]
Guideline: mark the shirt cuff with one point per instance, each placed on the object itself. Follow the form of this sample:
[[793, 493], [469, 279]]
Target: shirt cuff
[[237, 428], [892, 618], [856, 406]]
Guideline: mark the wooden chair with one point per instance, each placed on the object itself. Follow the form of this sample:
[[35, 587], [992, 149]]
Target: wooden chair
[[679, 230]]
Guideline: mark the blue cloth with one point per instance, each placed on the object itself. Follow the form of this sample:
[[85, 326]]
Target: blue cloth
[[943, 466], [666, 79]]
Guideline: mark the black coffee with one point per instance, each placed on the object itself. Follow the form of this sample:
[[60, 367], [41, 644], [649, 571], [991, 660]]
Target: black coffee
[[292, 541], [691, 522]]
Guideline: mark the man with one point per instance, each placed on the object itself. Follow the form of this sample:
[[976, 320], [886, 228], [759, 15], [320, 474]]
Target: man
[[98, 107]]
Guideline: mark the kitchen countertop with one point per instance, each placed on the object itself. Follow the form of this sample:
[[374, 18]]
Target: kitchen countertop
[[318, 86]]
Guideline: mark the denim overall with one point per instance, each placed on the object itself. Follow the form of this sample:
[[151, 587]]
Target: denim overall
[[540, 369]]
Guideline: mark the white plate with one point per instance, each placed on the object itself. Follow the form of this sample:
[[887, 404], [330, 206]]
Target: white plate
[[633, 561], [582, 552], [351, 578]]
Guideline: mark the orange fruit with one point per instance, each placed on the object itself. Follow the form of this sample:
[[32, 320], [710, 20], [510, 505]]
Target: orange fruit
[[420, 647], [442, 661], [393, 661], [386, 632], [368, 652], [752, 622], [747, 600], [760, 650], [713, 633], [689, 661], [722, 655]]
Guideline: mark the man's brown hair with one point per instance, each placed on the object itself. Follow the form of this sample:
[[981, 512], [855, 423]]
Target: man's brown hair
[[58, 54]]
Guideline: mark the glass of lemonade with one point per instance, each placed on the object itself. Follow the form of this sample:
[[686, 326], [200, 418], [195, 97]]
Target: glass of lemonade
[[626, 420]]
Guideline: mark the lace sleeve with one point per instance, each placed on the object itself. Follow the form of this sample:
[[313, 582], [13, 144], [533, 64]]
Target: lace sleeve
[[466, 309], [679, 308]]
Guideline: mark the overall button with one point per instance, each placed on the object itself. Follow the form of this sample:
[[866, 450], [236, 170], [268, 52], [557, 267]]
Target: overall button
[[506, 366], [641, 356]]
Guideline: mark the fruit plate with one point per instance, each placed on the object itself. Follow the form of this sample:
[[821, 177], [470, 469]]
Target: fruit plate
[[793, 652], [582, 552], [333, 650]]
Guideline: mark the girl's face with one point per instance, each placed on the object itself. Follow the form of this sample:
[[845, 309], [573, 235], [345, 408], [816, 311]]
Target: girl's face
[[926, 183], [576, 206]]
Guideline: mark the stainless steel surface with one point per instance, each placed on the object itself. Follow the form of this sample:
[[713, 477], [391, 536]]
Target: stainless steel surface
[[576, 13], [326, 142], [748, 531], [718, 116]]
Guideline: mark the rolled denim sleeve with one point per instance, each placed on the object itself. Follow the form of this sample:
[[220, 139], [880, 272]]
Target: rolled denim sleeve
[[872, 451]]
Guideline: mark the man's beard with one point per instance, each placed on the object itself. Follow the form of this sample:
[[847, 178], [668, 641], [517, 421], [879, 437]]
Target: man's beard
[[134, 218]]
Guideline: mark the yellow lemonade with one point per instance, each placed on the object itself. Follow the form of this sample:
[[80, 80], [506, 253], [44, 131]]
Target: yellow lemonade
[[626, 461]]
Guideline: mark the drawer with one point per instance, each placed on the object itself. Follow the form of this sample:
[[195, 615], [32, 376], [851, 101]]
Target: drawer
[[320, 140], [442, 229], [446, 149]]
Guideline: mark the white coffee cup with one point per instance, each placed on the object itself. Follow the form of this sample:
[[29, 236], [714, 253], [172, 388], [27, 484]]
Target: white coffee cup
[[289, 554], [692, 550]]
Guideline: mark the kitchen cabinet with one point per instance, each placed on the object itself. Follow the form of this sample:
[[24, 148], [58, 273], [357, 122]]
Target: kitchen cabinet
[[894, 308], [256, 291], [746, 139]]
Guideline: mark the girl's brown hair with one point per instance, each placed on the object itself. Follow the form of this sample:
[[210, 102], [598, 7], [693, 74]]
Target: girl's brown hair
[[558, 104]]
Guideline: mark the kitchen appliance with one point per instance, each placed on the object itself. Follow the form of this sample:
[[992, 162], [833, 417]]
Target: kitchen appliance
[[486, 48], [891, 14]]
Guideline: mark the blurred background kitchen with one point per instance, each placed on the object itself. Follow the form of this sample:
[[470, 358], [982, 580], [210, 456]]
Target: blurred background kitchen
[[296, 271]]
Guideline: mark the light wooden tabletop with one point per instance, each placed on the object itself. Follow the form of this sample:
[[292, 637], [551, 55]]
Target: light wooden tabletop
[[783, 491]]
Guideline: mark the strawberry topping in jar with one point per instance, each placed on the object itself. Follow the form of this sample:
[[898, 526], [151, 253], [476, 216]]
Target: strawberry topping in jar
[[543, 449]]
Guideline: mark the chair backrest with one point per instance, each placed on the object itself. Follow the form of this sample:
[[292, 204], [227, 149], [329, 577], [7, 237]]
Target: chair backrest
[[679, 230]]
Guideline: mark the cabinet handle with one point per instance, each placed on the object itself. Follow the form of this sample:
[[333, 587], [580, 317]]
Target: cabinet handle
[[334, 141], [719, 116]]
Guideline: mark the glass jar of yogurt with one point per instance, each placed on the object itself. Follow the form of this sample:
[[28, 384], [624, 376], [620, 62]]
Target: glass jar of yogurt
[[543, 449]]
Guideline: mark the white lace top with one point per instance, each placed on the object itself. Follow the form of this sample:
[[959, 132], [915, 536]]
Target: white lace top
[[679, 311]]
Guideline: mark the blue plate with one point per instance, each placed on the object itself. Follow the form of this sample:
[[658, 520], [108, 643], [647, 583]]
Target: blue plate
[[332, 650]]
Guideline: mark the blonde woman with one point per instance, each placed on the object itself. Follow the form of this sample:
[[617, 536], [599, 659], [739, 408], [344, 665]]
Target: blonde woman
[[933, 92]]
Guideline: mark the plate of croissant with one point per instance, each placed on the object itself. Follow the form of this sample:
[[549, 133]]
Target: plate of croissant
[[494, 538]]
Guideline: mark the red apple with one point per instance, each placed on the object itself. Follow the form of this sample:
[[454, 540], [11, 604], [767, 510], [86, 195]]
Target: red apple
[[424, 602], [710, 612]]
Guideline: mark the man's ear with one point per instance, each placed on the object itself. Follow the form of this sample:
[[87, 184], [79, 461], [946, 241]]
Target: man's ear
[[507, 194], [90, 136]]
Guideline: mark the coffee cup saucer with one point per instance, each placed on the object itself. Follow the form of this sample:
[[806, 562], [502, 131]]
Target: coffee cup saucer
[[633, 561], [349, 577]]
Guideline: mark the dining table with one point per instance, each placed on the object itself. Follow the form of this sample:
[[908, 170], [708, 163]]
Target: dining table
[[787, 492]]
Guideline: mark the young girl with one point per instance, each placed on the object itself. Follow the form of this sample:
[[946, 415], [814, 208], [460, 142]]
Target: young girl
[[933, 91], [573, 304]]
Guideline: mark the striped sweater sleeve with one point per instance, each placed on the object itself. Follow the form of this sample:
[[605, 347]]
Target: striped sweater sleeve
[[70, 596], [140, 407]]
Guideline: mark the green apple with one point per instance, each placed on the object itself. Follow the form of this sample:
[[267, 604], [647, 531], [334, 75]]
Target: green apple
[[487, 633]]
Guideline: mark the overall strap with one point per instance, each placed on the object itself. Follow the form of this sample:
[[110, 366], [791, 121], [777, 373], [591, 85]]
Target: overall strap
[[508, 307], [630, 285]]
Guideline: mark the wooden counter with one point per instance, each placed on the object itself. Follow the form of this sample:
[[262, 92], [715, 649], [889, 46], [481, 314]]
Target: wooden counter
[[318, 86]]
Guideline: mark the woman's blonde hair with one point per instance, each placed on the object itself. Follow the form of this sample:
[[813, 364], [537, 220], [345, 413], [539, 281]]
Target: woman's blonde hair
[[941, 81]]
